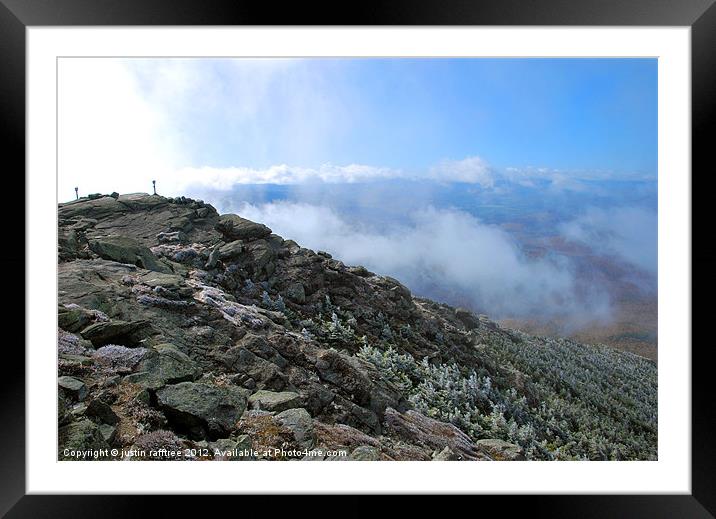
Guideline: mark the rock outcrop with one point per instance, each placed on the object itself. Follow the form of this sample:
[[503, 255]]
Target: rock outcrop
[[181, 329], [202, 410]]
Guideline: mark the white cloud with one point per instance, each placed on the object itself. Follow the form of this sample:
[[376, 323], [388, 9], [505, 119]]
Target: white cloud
[[472, 170], [225, 178], [442, 254], [558, 180], [627, 232], [245, 111]]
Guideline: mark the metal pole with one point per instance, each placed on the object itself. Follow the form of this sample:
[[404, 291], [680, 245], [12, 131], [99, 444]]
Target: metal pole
[[77, 195]]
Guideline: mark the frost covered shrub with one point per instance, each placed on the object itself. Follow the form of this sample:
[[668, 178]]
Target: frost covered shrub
[[71, 344], [336, 332], [154, 442], [119, 359], [278, 305], [266, 300], [406, 332], [386, 333], [591, 402], [96, 315], [146, 418], [99, 315], [249, 289], [400, 369]]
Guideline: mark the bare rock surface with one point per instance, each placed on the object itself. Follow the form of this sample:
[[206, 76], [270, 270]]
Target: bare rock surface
[[431, 433]]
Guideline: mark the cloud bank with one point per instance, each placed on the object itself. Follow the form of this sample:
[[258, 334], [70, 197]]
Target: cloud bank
[[628, 232], [446, 253], [224, 179], [471, 170]]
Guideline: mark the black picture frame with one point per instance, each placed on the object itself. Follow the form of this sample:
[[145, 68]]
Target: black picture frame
[[700, 15]]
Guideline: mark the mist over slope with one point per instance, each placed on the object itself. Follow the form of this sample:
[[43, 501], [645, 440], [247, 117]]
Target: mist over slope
[[445, 254], [549, 255]]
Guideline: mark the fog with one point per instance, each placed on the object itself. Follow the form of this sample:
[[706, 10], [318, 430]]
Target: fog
[[627, 232], [444, 254]]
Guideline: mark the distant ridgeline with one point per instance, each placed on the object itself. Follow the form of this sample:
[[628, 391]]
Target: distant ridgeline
[[185, 334]]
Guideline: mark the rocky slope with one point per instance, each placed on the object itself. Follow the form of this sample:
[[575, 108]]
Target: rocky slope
[[185, 334]]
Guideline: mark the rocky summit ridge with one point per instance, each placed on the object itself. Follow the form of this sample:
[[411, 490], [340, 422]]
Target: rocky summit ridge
[[186, 334]]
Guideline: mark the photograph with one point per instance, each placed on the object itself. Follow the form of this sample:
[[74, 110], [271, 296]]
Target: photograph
[[357, 258]]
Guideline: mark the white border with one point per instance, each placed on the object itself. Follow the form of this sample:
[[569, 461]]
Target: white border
[[671, 474]]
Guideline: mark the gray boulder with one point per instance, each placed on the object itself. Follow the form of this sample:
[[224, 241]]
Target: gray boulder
[[361, 380], [233, 227], [265, 373], [231, 250], [419, 429], [274, 401], [159, 279], [261, 256], [300, 423], [72, 387], [102, 412], [365, 453], [82, 435], [445, 455], [202, 410], [74, 319], [118, 332], [98, 208], [169, 365], [108, 432], [123, 249], [232, 449]]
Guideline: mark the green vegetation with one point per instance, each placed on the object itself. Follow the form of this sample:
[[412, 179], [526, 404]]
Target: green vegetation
[[557, 399]]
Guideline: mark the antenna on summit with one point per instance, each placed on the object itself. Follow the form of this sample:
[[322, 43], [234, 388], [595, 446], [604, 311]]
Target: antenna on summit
[[154, 185], [77, 194]]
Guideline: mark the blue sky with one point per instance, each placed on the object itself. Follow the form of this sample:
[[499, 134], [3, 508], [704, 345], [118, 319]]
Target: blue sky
[[220, 122], [596, 114]]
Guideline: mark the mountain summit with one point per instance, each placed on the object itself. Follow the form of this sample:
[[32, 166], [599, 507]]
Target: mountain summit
[[186, 334]]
